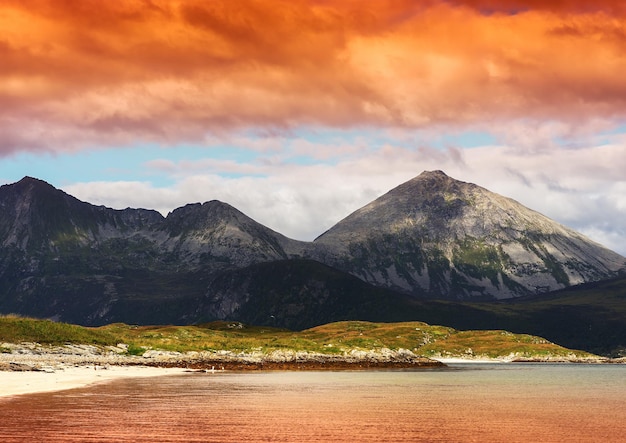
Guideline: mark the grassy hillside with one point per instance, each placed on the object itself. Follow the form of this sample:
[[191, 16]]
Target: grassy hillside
[[300, 294], [333, 338], [590, 316], [16, 329]]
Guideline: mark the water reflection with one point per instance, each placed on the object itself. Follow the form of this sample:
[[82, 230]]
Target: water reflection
[[504, 403]]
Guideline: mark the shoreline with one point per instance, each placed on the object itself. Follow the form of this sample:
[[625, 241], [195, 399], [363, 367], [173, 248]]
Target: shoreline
[[33, 368], [34, 382], [455, 360], [555, 359], [33, 356], [23, 379]]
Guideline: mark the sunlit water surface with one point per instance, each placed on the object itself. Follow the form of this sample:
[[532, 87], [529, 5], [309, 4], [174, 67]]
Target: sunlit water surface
[[466, 403]]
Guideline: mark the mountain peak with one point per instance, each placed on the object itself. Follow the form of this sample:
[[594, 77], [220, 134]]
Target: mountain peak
[[29, 183], [433, 181], [28, 190], [433, 174], [434, 177], [29, 179], [456, 239]]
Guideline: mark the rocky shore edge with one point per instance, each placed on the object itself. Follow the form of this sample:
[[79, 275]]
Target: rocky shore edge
[[37, 357]]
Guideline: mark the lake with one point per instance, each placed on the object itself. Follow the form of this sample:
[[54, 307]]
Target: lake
[[463, 403]]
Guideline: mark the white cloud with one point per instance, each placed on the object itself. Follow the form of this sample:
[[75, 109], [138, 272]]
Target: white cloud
[[583, 188]]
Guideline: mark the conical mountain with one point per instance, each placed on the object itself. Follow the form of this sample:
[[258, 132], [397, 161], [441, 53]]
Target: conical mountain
[[457, 240]]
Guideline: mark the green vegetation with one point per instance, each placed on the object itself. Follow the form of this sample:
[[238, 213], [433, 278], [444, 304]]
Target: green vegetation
[[478, 259], [495, 344], [333, 338], [15, 329], [430, 340]]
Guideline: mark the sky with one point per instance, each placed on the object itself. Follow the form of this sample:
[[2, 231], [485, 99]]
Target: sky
[[298, 112]]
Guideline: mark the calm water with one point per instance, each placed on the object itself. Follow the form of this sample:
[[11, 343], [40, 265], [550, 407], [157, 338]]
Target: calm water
[[473, 403]]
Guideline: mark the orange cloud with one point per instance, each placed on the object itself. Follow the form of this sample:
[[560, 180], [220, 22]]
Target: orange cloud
[[79, 73], [559, 6]]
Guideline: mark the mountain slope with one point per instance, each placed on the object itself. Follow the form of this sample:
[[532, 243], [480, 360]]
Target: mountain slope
[[299, 294], [457, 240], [66, 259]]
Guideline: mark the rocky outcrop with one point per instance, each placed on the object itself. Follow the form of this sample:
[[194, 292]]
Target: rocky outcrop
[[26, 357], [35, 357]]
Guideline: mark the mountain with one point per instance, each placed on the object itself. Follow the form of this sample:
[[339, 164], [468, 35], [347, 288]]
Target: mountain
[[456, 240], [67, 259], [430, 238], [216, 233], [37, 218], [300, 294]]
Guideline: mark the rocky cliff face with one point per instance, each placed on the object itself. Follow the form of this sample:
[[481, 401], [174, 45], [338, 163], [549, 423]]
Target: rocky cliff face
[[458, 240]]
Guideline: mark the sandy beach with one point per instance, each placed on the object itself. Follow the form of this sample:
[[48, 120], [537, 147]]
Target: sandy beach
[[68, 377], [16, 383]]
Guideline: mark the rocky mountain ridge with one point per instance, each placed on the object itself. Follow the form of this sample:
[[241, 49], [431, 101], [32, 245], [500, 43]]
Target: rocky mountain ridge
[[37, 217]]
